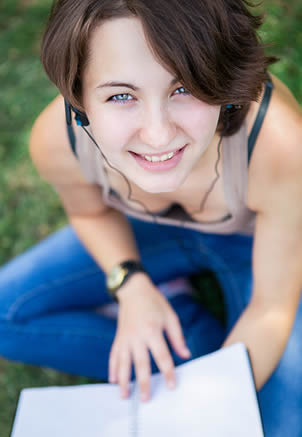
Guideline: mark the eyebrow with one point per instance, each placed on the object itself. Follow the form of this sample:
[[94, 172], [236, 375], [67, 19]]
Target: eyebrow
[[129, 85]]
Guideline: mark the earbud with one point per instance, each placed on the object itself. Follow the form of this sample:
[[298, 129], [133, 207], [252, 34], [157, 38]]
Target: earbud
[[80, 118], [231, 108]]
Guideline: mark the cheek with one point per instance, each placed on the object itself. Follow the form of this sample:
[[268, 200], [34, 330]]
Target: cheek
[[111, 131], [201, 120]]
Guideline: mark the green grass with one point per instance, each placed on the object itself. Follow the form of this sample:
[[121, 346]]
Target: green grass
[[29, 208]]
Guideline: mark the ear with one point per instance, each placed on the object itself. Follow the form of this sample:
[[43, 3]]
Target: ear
[[80, 117]]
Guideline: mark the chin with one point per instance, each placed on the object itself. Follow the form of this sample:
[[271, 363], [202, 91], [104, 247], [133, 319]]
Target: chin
[[161, 186], [158, 191]]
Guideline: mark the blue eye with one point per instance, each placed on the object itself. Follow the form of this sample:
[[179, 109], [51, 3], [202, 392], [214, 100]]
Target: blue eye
[[184, 89], [120, 98], [125, 97]]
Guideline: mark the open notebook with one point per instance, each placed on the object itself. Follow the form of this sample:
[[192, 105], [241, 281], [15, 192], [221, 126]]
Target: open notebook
[[215, 397]]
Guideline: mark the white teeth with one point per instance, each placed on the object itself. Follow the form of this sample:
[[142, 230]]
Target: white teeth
[[164, 158], [159, 158]]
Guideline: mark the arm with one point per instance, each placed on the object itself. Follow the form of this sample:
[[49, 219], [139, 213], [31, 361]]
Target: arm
[[275, 194], [265, 325]]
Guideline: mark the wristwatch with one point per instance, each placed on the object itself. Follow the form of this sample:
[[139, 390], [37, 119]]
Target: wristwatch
[[120, 274]]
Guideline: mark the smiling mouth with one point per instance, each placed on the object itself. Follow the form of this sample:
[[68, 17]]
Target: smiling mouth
[[159, 155]]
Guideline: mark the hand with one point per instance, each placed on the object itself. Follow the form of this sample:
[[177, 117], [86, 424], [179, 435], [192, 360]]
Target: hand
[[143, 315]]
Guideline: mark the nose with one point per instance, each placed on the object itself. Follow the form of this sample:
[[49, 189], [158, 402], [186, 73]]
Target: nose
[[157, 129]]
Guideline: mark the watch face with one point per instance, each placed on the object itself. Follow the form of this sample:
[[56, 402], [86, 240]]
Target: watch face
[[116, 277]]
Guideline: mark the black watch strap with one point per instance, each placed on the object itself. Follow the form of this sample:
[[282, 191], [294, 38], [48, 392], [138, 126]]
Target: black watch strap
[[132, 267]]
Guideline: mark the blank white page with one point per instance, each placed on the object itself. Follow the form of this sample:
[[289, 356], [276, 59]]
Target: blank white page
[[215, 397], [92, 410]]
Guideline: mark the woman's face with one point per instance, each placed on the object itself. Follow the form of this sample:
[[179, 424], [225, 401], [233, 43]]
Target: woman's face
[[136, 107]]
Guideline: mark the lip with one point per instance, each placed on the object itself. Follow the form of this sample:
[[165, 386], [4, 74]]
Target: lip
[[160, 166]]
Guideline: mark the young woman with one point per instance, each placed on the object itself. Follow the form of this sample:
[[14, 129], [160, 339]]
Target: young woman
[[184, 154]]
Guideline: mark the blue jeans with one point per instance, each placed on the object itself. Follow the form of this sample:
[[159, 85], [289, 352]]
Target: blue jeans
[[49, 294]]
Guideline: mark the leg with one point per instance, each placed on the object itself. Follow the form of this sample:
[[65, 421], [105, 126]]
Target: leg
[[51, 276], [46, 298], [49, 293], [56, 273]]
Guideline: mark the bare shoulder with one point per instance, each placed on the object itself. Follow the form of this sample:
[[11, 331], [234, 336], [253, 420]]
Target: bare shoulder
[[52, 156], [278, 150], [49, 145]]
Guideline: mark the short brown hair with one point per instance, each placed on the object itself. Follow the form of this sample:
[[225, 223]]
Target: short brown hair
[[211, 46]]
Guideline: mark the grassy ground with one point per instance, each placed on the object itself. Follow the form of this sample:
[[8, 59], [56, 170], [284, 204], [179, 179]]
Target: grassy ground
[[29, 208]]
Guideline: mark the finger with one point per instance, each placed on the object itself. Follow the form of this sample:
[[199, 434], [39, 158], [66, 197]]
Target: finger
[[142, 370], [124, 372], [175, 335], [162, 356]]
